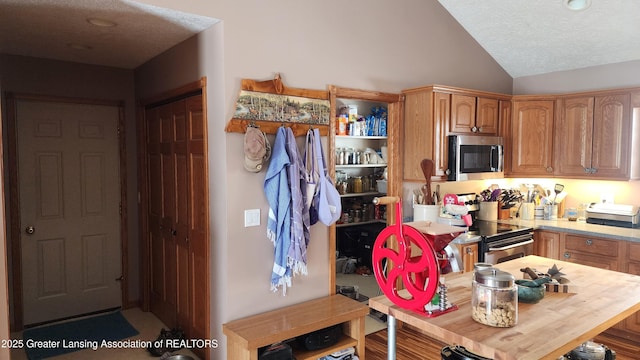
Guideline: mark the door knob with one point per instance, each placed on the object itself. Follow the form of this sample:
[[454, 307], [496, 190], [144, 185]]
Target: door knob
[[29, 230]]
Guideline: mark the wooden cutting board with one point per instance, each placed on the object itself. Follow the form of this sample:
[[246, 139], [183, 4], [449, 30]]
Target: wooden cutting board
[[433, 228]]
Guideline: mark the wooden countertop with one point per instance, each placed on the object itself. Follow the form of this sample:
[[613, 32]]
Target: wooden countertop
[[546, 330]]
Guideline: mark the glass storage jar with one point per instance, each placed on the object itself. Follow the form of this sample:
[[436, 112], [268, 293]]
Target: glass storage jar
[[494, 298], [357, 184]]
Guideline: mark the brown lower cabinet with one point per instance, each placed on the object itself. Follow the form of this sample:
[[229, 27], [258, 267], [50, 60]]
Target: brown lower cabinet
[[469, 255], [632, 323], [547, 244], [610, 254]]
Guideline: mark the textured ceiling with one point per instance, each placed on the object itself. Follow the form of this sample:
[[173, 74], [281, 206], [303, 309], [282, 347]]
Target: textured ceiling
[[530, 37], [526, 37], [56, 29]]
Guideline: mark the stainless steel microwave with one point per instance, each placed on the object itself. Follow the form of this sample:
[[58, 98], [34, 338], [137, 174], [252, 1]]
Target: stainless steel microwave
[[473, 157]]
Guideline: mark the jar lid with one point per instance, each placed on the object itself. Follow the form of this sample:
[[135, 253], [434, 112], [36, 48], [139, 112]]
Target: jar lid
[[495, 278], [482, 266]]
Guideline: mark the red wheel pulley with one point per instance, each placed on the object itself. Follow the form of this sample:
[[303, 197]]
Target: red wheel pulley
[[418, 274]]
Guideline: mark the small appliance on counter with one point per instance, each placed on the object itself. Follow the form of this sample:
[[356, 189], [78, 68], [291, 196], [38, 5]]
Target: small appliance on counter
[[613, 214]]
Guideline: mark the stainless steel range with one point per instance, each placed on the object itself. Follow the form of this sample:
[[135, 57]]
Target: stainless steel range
[[498, 242], [502, 242]]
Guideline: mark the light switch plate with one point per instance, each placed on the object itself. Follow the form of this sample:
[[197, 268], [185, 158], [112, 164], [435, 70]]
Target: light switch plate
[[252, 217]]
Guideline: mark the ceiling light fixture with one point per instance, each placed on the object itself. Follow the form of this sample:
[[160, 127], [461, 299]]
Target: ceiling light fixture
[[101, 22], [577, 5]]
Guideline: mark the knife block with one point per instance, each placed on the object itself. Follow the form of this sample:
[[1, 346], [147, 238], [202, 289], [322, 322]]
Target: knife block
[[503, 214]]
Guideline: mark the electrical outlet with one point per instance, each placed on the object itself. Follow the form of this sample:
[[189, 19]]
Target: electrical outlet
[[606, 198], [252, 217]]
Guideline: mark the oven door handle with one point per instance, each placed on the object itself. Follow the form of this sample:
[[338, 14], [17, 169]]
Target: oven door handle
[[512, 246]]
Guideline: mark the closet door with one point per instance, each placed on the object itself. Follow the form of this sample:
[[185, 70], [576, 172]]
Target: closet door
[[180, 226], [198, 220], [178, 215], [161, 213]]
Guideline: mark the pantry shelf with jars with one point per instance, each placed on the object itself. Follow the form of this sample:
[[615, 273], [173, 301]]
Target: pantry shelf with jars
[[361, 172], [364, 164]]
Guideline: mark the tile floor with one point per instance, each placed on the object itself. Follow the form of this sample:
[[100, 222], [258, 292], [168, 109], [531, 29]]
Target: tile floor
[[368, 286], [147, 325]]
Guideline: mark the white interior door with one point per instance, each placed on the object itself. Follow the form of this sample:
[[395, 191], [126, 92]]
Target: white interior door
[[69, 185]]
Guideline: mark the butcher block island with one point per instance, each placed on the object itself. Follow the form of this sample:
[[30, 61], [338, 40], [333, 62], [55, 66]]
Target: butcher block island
[[547, 330]]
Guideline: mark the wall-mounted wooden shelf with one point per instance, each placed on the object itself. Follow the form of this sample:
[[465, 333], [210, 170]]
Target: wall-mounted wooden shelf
[[276, 87]]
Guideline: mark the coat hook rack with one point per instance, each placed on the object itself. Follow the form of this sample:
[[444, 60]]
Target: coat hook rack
[[288, 101]]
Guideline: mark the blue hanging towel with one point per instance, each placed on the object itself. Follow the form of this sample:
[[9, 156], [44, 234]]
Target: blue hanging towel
[[278, 193]]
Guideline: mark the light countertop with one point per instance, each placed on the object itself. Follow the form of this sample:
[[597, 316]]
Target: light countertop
[[580, 228]]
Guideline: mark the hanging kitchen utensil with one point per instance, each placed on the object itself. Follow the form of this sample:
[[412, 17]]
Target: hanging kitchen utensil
[[427, 169], [495, 194], [557, 189], [418, 196]]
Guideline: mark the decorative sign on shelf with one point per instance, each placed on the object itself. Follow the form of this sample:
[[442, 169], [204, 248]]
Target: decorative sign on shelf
[[269, 104], [253, 105]]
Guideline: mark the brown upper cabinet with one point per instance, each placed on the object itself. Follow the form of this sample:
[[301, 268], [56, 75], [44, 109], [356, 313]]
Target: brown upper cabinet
[[434, 112], [593, 136], [474, 115], [426, 122], [532, 137]]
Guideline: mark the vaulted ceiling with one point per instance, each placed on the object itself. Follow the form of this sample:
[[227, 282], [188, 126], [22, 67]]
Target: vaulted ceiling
[[530, 37], [525, 37]]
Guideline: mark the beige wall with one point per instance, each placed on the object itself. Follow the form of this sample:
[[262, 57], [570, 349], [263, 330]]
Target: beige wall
[[373, 45], [591, 78]]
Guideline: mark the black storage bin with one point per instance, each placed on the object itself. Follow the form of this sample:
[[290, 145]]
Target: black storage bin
[[279, 351], [367, 238], [457, 352], [322, 338], [348, 241]]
